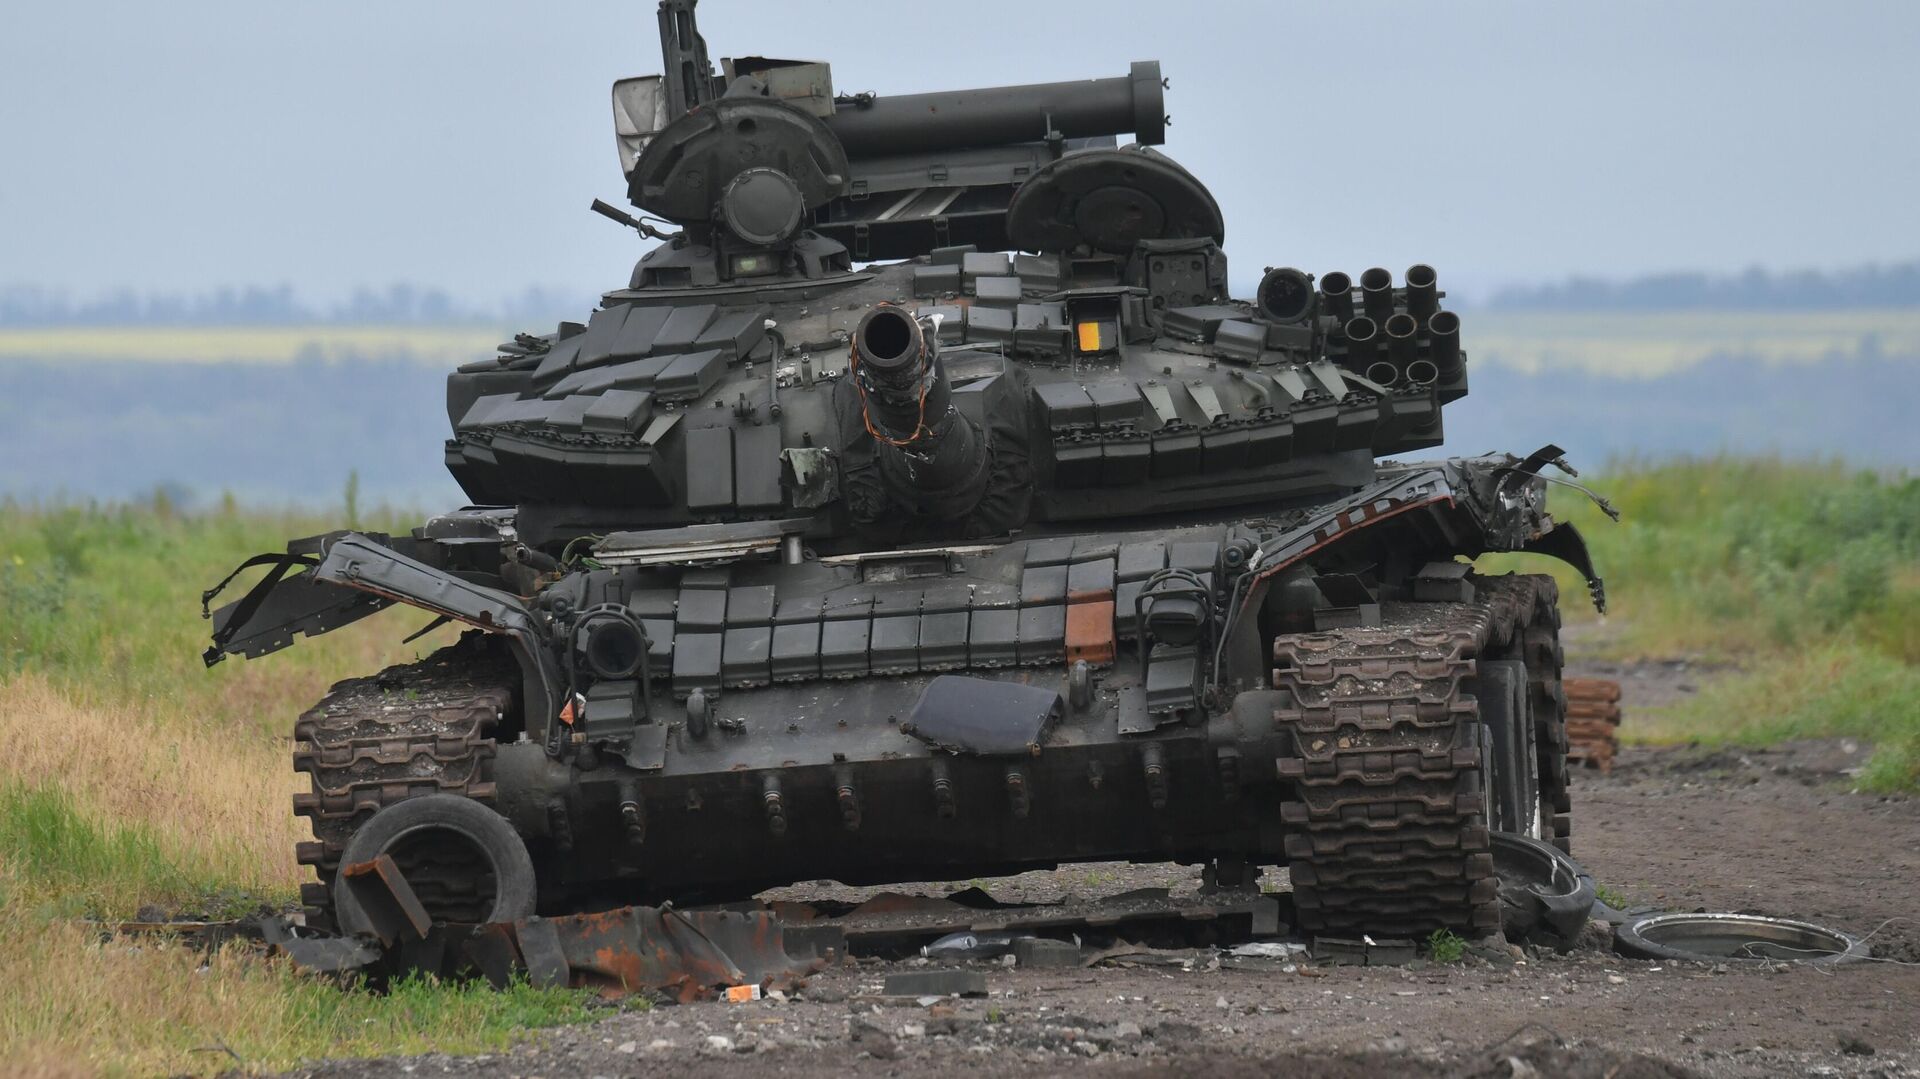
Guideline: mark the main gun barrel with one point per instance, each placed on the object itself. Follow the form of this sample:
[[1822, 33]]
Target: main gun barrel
[[933, 459], [995, 116]]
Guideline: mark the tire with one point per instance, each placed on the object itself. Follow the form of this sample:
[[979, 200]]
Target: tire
[[449, 827], [1545, 896]]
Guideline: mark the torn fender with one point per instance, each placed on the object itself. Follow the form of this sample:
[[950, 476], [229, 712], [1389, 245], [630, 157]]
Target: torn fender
[[1469, 505], [279, 608], [1564, 542], [344, 577], [357, 562]]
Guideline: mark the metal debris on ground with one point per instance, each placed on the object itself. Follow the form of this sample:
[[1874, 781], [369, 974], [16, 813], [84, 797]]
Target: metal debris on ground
[[692, 955], [1593, 721], [1269, 949], [936, 983], [1365, 952], [1045, 953], [707, 954], [1136, 955], [971, 946], [895, 923]]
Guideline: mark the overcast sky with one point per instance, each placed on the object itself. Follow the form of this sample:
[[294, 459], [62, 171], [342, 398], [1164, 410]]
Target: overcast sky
[[178, 147]]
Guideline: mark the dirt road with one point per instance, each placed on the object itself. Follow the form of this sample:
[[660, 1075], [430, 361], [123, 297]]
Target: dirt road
[[1775, 832]]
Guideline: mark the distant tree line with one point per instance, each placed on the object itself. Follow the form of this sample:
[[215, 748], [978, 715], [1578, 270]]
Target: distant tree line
[[301, 432], [30, 305], [1897, 285]]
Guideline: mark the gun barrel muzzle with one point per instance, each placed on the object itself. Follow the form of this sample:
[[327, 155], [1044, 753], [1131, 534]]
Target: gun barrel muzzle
[[1286, 295], [933, 458], [891, 344]]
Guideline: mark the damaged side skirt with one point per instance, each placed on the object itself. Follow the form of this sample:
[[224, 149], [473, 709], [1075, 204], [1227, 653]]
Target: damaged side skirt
[[356, 576]]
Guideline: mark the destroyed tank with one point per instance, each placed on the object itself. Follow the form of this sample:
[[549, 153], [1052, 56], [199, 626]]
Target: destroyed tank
[[925, 508]]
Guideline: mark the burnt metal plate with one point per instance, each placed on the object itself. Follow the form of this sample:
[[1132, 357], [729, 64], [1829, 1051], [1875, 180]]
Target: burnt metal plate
[[984, 716], [1133, 716], [392, 909]]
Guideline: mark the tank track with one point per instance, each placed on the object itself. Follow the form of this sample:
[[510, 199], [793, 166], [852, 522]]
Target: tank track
[[1387, 821], [415, 728], [1540, 649]]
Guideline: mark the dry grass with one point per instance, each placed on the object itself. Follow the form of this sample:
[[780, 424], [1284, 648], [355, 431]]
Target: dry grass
[[108, 711], [1639, 343], [216, 800], [81, 1005], [440, 345], [1648, 343], [132, 776]]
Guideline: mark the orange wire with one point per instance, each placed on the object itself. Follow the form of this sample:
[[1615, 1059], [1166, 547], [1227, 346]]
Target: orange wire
[[866, 416]]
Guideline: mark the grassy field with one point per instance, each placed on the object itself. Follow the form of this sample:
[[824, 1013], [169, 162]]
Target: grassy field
[[1805, 577], [443, 345], [1632, 343], [133, 776], [1643, 344]]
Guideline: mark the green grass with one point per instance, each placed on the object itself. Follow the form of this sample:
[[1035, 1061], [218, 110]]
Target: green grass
[[100, 592], [63, 856], [1804, 576], [421, 1014], [1446, 946], [80, 1004], [1833, 691], [134, 775]]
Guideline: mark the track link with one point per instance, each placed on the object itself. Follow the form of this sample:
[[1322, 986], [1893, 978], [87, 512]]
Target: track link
[[415, 728], [1388, 820]]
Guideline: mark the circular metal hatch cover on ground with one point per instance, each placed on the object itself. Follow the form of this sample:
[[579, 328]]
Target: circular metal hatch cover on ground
[[1736, 938]]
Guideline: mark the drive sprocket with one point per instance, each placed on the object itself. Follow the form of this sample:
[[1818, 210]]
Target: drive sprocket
[[415, 728]]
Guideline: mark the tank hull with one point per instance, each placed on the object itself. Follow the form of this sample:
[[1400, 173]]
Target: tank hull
[[958, 712]]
